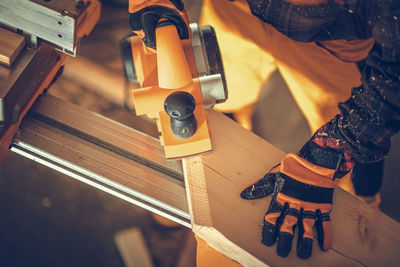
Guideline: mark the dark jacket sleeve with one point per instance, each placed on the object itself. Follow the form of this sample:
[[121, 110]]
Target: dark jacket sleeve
[[372, 115]]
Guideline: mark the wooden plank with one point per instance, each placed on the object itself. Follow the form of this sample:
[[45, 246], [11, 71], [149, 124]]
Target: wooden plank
[[133, 249], [188, 254], [362, 236], [11, 45], [10, 131], [107, 152], [119, 171], [105, 129]]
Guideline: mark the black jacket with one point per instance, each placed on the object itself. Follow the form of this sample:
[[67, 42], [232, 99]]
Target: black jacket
[[371, 116]]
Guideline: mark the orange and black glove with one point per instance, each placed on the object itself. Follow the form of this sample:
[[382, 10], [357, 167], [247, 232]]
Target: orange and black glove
[[302, 186], [146, 15]]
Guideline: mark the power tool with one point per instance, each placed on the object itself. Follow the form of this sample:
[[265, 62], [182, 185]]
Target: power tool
[[178, 81]]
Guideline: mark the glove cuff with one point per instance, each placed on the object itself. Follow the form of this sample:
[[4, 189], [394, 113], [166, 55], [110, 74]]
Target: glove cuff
[[320, 156], [328, 150]]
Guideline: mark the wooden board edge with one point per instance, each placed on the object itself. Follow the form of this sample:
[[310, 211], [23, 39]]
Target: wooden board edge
[[198, 203], [231, 250]]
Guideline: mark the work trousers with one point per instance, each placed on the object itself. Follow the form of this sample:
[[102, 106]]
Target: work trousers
[[319, 75]]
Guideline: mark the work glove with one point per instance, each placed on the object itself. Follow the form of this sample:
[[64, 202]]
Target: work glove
[[302, 188], [146, 15]]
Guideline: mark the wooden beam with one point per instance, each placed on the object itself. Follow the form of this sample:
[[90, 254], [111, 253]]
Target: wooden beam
[[104, 154], [104, 129], [11, 44], [133, 249], [362, 236]]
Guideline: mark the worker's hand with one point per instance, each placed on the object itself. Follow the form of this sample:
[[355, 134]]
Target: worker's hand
[[302, 186], [146, 15], [303, 197]]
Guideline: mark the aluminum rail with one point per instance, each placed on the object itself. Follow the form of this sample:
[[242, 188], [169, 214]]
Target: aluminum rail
[[104, 154]]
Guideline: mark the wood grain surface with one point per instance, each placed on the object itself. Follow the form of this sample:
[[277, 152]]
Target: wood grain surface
[[362, 236]]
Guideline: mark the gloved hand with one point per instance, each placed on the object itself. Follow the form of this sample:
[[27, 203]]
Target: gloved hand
[[302, 186], [146, 15]]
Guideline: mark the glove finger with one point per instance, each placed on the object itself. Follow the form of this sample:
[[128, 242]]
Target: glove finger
[[270, 231], [285, 237], [272, 223], [178, 4], [324, 230], [305, 241], [263, 187], [179, 22], [149, 21]]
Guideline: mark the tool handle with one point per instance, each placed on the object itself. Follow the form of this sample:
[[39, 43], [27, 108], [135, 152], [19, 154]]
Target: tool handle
[[180, 107], [172, 66]]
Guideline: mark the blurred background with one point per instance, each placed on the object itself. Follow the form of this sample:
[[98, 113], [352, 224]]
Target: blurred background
[[48, 219]]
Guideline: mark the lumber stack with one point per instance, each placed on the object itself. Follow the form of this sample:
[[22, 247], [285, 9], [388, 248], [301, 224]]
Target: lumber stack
[[362, 236]]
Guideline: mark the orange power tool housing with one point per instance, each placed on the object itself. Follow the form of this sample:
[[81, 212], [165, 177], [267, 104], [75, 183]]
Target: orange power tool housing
[[160, 73]]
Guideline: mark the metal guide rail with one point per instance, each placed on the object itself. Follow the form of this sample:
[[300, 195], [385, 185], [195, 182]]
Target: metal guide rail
[[60, 23], [104, 154]]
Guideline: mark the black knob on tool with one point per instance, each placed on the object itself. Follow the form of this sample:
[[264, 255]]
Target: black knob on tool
[[180, 106]]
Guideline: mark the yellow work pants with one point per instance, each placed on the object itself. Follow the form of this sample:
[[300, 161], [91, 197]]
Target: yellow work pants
[[319, 76]]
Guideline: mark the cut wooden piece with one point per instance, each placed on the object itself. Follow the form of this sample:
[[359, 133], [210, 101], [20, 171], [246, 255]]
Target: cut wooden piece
[[362, 235], [11, 44], [133, 249], [104, 154], [188, 255]]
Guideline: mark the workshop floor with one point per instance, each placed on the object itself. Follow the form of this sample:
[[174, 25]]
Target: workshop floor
[[49, 219]]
